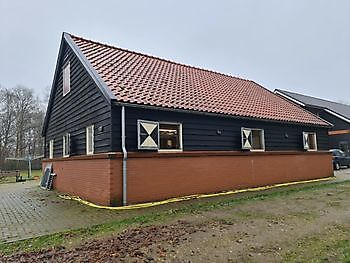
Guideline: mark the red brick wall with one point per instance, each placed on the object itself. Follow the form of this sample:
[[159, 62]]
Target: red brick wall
[[157, 176], [160, 177], [91, 178]]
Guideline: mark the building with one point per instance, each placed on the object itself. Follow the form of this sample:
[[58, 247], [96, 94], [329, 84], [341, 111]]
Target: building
[[123, 127], [337, 114]]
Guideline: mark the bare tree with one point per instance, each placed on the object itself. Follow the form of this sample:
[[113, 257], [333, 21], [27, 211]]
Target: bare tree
[[21, 120], [7, 121], [25, 105]]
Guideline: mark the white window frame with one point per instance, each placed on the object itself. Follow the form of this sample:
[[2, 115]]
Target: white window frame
[[180, 137], [51, 144], [92, 127], [64, 145], [315, 141], [66, 78], [262, 132]]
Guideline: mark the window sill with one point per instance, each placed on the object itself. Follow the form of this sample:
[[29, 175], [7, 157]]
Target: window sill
[[170, 150], [257, 150]]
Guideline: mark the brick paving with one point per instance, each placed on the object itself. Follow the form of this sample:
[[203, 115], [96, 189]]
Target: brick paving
[[27, 211]]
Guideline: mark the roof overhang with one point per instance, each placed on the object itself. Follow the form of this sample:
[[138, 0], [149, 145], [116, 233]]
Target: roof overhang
[[89, 68], [158, 108], [313, 106], [289, 98], [337, 115], [280, 93]]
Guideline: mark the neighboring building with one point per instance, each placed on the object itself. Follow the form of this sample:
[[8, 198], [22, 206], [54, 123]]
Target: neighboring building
[[121, 125], [337, 114]]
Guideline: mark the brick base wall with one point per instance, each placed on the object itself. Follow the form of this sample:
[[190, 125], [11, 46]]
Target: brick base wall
[[157, 176], [94, 178]]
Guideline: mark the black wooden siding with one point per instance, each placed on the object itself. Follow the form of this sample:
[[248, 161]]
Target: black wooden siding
[[84, 105], [339, 124], [200, 132], [336, 140]]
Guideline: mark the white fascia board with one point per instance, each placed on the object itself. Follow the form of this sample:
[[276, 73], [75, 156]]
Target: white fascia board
[[290, 98], [90, 69], [337, 115]]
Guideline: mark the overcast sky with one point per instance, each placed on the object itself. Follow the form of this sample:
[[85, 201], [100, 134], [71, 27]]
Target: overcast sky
[[301, 46]]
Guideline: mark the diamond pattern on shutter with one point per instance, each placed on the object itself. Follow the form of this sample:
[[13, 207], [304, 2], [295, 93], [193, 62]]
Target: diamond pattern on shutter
[[306, 140], [147, 135], [246, 138]]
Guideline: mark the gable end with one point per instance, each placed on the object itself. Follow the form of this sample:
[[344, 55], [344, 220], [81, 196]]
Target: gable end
[[67, 42]]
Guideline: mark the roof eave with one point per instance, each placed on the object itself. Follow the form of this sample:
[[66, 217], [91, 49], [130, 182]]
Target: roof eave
[[279, 92], [339, 116], [301, 104], [151, 107]]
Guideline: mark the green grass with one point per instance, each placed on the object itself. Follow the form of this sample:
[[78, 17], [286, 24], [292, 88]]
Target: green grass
[[23, 173], [333, 245], [77, 236]]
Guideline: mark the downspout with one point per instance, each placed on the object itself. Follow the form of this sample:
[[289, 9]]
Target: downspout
[[125, 157]]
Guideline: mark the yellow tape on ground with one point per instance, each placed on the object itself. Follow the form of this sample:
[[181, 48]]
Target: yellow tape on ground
[[189, 197]]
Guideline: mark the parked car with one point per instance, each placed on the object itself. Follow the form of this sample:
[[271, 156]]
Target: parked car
[[340, 159]]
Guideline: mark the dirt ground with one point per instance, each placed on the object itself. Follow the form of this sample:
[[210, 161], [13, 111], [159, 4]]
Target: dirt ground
[[305, 226]]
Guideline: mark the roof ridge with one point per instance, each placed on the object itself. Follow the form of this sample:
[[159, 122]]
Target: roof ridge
[[158, 58], [341, 103]]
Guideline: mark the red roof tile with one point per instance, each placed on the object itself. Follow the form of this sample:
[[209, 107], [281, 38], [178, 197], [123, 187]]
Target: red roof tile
[[143, 79]]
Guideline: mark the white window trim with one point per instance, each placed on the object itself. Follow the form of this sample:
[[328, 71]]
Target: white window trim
[[64, 145], [63, 78], [262, 141], [311, 150], [92, 141], [51, 144], [180, 137]]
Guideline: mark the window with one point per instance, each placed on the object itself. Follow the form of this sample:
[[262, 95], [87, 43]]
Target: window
[[310, 141], [66, 145], [161, 136], [170, 136], [90, 139], [253, 139], [51, 149], [66, 78]]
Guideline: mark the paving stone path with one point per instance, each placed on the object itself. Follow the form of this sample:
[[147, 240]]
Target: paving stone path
[[27, 211]]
